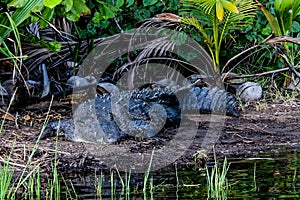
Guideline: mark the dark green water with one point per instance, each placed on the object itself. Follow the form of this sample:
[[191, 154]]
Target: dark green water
[[269, 176]]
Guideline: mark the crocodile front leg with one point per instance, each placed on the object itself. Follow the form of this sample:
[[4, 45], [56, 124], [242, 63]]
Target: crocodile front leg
[[139, 127], [92, 122], [59, 128]]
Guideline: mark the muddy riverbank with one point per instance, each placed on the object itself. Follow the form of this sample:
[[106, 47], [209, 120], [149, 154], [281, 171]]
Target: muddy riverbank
[[262, 126]]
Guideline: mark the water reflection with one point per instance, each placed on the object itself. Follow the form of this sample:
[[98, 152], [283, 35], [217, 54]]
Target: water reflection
[[269, 176]]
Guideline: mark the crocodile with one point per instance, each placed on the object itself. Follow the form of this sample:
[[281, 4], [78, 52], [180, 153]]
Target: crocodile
[[140, 113]]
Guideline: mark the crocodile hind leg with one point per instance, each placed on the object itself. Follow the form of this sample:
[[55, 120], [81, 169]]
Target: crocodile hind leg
[[139, 127]]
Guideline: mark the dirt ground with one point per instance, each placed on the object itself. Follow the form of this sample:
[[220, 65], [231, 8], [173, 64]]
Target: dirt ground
[[262, 127]]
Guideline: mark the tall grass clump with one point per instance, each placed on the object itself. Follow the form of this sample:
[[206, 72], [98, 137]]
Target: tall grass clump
[[27, 185], [125, 191], [54, 184], [147, 173], [6, 176], [125, 184], [99, 186], [217, 185]]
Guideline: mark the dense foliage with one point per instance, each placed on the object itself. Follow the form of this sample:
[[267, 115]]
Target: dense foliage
[[224, 28]]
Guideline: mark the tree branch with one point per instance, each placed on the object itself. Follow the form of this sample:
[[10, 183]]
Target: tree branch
[[256, 75]]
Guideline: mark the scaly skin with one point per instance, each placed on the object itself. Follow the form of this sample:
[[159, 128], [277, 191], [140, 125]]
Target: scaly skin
[[142, 113]]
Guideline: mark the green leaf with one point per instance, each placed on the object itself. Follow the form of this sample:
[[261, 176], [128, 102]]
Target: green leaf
[[21, 14], [296, 8], [91, 28], [97, 18], [18, 17], [284, 14], [219, 11], [119, 3], [149, 2], [282, 7], [267, 30], [277, 5], [53, 46], [272, 21], [105, 24], [229, 6], [17, 3], [52, 3], [47, 15], [78, 8], [141, 14], [192, 21], [38, 8], [106, 12], [72, 17], [296, 27], [68, 5], [129, 3]]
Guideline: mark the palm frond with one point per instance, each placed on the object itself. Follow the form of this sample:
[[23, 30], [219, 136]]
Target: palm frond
[[204, 6], [296, 8], [222, 16], [193, 21], [246, 10], [242, 19]]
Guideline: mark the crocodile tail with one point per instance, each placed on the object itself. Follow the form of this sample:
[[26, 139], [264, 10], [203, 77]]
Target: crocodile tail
[[210, 100]]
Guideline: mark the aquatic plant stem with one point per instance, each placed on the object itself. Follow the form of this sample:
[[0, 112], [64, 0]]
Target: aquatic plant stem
[[7, 110], [146, 177]]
